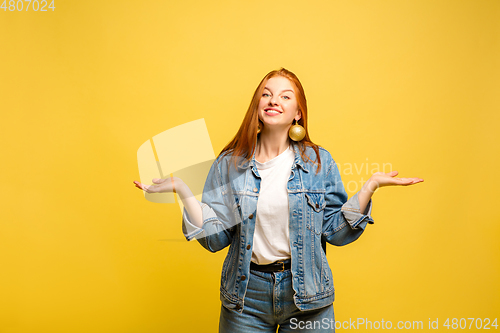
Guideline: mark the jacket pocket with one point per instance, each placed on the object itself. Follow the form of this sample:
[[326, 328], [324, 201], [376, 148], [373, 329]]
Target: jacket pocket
[[316, 201], [316, 204]]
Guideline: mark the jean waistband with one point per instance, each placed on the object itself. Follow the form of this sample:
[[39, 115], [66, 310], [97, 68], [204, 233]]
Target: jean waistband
[[277, 266]]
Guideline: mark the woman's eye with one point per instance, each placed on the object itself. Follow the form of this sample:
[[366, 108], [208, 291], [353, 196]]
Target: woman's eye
[[286, 97], [265, 95]]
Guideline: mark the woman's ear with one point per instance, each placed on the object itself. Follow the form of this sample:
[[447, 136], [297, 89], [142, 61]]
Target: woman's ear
[[298, 116]]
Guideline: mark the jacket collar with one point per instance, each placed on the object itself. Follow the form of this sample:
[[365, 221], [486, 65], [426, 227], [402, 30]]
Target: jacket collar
[[297, 161]]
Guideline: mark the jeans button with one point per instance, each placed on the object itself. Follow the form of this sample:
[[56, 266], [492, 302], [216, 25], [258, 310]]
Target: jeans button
[[250, 216], [255, 189], [243, 278], [248, 247]]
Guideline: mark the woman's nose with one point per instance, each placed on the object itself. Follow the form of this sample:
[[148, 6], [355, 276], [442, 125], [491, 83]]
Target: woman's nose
[[273, 101]]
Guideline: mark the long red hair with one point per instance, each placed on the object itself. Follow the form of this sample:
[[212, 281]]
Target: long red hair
[[244, 142]]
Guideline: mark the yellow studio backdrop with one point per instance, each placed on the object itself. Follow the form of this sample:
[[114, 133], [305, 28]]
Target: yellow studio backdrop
[[408, 85]]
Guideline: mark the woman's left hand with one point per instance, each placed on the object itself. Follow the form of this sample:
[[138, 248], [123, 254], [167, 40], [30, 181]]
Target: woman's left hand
[[380, 179]]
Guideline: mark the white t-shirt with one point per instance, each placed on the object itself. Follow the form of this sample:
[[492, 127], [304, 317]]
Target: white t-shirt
[[271, 239]]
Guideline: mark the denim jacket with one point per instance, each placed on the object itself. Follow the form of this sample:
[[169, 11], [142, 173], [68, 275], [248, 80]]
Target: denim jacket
[[319, 211]]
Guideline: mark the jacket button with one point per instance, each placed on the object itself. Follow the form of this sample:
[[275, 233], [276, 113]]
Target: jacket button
[[250, 216], [255, 189], [317, 206], [243, 278], [248, 247]]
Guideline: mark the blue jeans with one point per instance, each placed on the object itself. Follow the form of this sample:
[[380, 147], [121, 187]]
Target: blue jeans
[[269, 306]]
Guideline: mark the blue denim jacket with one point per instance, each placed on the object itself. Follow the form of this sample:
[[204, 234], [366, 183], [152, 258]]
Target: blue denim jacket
[[319, 210]]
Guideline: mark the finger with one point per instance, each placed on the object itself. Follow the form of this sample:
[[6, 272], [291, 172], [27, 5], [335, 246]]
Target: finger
[[410, 181], [149, 188], [141, 186], [393, 173], [402, 181], [416, 179], [397, 181]]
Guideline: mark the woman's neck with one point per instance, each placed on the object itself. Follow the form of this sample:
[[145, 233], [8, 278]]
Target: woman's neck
[[271, 145]]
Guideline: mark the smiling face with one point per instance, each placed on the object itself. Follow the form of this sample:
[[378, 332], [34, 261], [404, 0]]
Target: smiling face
[[278, 105]]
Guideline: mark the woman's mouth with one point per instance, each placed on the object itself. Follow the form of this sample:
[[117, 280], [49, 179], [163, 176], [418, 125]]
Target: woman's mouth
[[272, 112]]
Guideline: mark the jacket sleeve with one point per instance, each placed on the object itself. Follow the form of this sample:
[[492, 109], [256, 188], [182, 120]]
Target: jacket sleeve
[[343, 220], [219, 212]]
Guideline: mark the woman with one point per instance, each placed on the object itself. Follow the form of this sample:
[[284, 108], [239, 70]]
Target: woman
[[276, 198]]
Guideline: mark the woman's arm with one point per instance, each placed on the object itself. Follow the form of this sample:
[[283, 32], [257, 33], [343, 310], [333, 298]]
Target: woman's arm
[[190, 203], [176, 185], [343, 222], [210, 221], [380, 179]]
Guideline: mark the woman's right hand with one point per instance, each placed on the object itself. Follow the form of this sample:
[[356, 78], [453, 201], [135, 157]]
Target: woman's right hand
[[176, 185], [160, 185]]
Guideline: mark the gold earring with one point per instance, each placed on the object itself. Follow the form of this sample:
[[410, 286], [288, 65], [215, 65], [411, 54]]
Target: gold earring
[[258, 129], [296, 132]]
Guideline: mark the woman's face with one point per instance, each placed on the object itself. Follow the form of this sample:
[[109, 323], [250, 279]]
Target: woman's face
[[278, 105]]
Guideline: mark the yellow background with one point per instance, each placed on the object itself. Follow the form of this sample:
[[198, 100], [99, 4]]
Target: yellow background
[[411, 83]]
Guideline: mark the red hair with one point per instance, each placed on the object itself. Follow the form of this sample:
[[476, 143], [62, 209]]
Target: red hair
[[244, 142]]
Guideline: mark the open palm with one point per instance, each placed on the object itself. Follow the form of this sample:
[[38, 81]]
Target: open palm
[[160, 185], [381, 179]]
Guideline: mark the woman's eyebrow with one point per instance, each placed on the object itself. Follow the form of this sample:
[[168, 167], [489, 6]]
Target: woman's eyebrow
[[282, 91]]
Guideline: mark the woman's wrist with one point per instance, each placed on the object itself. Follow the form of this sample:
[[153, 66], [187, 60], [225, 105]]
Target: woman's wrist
[[370, 186], [181, 188]]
